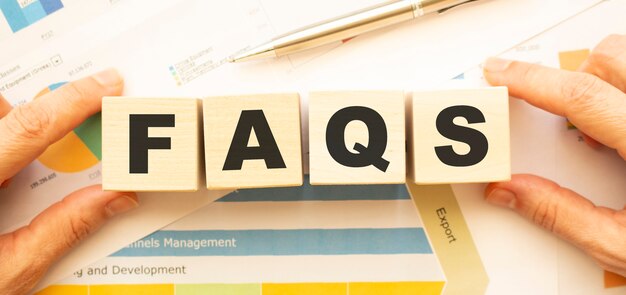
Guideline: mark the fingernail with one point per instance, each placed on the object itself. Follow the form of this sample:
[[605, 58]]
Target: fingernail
[[495, 64], [109, 78], [502, 197], [120, 205]]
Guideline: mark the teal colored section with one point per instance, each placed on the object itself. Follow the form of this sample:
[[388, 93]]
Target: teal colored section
[[54, 86], [308, 192], [34, 12], [13, 14], [90, 132], [280, 242]]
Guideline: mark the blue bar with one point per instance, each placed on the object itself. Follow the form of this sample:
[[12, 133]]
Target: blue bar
[[307, 192], [34, 12], [51, 6], [13, 14], [281, 242]]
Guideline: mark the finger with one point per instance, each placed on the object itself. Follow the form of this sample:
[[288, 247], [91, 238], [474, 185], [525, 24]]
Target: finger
[[608, 61], [5, 107], [567, 214], [592, 105], [28, 252], [29, 129]]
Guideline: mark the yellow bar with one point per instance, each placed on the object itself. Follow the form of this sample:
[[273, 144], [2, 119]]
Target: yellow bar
[[305, 289], [64, 290], [218, 289], [131, 290], [396, 288]]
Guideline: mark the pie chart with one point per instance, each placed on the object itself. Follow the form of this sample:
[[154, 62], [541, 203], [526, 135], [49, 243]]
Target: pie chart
[[77, 151]]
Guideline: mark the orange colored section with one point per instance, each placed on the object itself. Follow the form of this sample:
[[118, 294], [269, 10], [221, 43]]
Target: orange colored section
[[612, 280], [68, 155], [572, 60]]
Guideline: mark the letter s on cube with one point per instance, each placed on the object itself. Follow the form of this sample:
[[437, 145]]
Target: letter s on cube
[[357, 137], [150, 144], [460, 136]]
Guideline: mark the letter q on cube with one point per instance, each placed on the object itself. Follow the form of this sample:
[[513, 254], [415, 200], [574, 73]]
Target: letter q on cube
[[357, 137], [150, 144]]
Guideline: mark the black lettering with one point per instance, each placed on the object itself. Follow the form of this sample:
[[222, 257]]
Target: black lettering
[[267, 149], [475, 139], [366, 156], [140, 143]]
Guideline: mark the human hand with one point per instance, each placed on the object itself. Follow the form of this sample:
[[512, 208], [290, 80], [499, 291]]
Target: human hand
[[594, 100], [26, 131]]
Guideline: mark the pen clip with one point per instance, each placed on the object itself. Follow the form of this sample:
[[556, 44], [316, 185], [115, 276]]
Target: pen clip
[[454, 6]]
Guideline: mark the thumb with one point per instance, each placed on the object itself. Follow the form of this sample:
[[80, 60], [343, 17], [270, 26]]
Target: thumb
[[599, 231], [28, 252]]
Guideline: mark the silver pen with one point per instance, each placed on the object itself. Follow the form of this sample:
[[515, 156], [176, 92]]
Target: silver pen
[[347, 26]]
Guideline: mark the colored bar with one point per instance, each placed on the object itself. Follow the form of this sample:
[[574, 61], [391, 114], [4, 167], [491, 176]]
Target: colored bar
[[13, 14], [64, 290], [305, 289], [131, 290], [33, 12], [307, 192], [218, 289], [613, 280], [280, 242], [396, 288], [51, 6], [90, 132], [572, 60]]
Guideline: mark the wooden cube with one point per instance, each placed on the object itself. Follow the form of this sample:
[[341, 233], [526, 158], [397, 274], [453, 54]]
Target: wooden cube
[[357, 137], [150, 144], [253, 141], [461, 136]]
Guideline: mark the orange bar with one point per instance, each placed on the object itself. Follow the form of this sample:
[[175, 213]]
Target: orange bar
[[612, 280], [572, 60]]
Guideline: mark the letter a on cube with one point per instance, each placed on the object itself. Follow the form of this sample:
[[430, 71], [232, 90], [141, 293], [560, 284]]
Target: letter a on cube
[[150, 144], [253, 141], [357, 137], [461, 136]]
